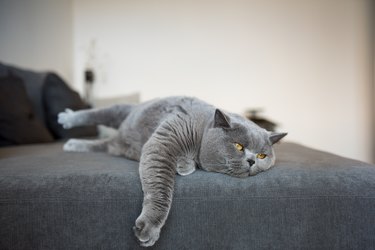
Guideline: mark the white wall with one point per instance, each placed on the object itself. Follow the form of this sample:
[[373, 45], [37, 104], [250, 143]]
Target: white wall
[[306, 62], [37, 34]]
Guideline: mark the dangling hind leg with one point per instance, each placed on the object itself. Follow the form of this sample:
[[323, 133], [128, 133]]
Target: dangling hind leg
[[111, 117]]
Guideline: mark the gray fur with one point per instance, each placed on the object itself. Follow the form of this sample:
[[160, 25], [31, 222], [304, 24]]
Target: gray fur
[[169, 136]]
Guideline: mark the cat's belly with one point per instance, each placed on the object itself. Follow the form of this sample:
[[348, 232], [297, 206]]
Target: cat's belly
[[144, 119]]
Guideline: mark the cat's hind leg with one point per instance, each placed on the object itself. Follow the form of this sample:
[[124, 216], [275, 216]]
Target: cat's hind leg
[[83, 145], [111, 116]]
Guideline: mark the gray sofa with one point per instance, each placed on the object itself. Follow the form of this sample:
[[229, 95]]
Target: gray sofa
[[50, 199]]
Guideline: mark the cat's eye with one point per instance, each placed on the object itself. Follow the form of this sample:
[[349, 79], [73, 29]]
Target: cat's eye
[[261, 156], [238, 146]]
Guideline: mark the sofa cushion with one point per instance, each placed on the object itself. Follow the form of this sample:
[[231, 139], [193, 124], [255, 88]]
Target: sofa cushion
[[50, 199], [18, 122], [57, 96]]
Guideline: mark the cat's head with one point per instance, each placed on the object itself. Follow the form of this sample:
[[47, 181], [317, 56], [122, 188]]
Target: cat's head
[[237, 146]]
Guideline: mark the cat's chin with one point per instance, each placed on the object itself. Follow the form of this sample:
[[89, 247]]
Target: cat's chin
[[256, 170], [253, 173]]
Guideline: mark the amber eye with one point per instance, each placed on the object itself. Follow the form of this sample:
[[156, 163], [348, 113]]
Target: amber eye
[[261, 156], [239, 147]]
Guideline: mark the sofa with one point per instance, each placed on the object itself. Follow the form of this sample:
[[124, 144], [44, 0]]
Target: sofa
[[51, 199]]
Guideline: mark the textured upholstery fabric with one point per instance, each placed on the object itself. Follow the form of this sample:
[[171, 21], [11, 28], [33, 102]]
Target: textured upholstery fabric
[[51, 199], [18, 122]]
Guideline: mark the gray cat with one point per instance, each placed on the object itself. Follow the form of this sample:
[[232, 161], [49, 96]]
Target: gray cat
[[175, 134]]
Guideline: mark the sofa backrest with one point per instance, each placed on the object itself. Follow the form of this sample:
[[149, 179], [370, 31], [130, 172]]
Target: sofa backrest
[[33, 82], [49, 95]]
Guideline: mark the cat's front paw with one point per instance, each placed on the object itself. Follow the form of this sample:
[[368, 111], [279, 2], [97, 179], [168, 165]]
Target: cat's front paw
[[66, 118], [146, 232]]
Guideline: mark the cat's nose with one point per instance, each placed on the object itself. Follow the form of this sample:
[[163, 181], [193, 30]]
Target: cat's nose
[[251, 162]]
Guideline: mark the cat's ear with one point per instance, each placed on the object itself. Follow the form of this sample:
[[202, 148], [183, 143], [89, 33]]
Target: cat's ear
[[221, 121], [275, 137]]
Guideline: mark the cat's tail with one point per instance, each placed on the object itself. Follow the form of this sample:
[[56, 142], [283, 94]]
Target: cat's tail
[[111, 116]]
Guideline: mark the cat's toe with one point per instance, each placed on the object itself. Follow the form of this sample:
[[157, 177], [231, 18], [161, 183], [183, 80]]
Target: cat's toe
[[146, 233]]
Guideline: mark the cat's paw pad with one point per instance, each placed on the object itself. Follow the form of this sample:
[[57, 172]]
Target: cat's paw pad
[[146, 232], [75, 145], [66, 118]]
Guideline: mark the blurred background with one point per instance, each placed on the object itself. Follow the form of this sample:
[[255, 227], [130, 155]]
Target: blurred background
[[308, 64]]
